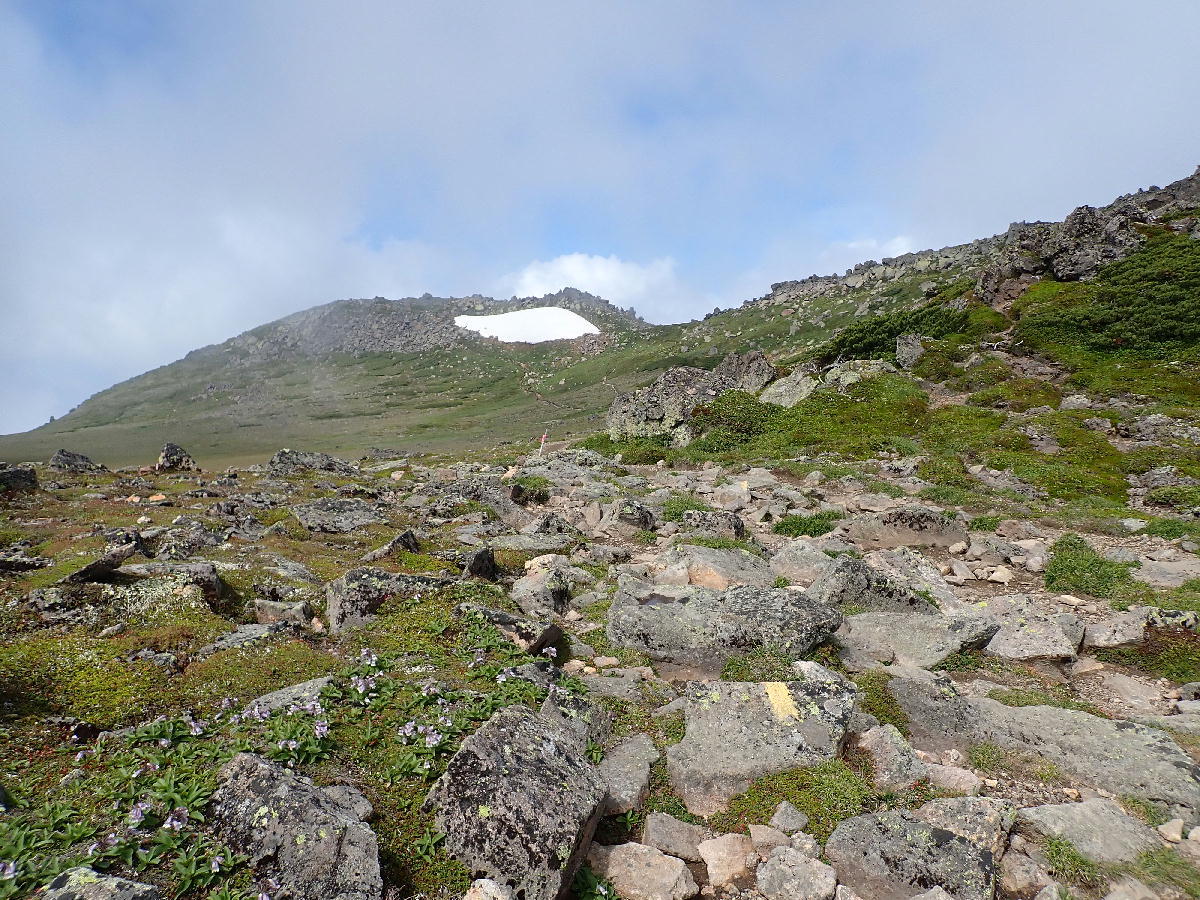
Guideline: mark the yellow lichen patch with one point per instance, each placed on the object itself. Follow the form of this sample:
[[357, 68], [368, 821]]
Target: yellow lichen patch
[[783, 707]]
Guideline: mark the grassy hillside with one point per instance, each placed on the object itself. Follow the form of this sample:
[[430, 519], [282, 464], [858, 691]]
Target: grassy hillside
[[229, 407]]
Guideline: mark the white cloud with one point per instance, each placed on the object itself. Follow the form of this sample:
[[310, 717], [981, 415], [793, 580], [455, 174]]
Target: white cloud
[[651, 285]]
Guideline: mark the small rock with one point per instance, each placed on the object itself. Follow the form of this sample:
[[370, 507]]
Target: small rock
[[730, 859], [788, 819], [625, 772], [790, 875], [639, 872], [1172, 830], [676, 838]]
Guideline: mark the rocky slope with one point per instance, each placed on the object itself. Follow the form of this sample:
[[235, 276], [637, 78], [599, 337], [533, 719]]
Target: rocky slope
[[915, 615]]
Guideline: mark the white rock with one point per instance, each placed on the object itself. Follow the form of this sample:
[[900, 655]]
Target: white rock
[[639, 872], [728, 858]]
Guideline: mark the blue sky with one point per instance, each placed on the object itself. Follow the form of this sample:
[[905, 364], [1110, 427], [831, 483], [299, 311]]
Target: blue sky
[[175, 173]]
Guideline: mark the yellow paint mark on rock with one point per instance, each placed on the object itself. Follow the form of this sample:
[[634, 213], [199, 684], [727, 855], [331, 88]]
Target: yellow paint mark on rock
[[782, 705]]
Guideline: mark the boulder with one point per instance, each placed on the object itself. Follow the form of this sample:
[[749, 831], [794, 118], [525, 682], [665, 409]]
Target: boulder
[[1098, 828], [983, 821], [852, 582], [909, 350], [894, 766], [639, 872], [789, 874], [909, 526], [625, 771], [729, 860], [353, 599], [915, 640], [712, 568], [542, 593], [674, 837], [173, 458], [664, 408], [82, 883], [1117, 756], [519, 803], [690, 624], [290, 462], [308, 840], [103, 566], [405, 541], [790, 390], [17, 479], [894, 855], [799, 562], [68, 461], [739, 731], [337, 515], [714, 522], [1026, 632]]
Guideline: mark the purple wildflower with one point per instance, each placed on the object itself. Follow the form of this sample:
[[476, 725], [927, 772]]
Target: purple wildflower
[[177, 819]]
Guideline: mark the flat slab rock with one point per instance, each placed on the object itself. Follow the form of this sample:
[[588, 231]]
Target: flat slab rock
[[910, 639], [696, 625], [895, 855], [711, 567], [852, 582], [337, 515], [1118, 756], [518, 803], [353, 599], [1098, 828], [310, 840], [82, 883], [739, 731], [909, 526]]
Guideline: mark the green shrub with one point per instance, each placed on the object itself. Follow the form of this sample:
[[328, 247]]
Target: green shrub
[[1075, 567], [678, 504], [1178, 496], [808, 526], [875, 337]]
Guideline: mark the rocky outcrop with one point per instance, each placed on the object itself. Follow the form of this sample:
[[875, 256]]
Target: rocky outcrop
[[292, 462], [69, 461], [310, 840], [518, 803], [353, 599], [690, 624], [337, 515], [737, 732], [82, 883], [17, 479], [665, 407], [173, 458]]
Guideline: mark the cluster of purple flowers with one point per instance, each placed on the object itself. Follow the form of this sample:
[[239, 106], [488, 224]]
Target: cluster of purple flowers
[[320, 729], [480, 658], [363, 684], [288, 744], [139, 812], [8, 870], [550, 653], [195, 726], [368, 658], [432, 737], [110, 840], [177, 819]]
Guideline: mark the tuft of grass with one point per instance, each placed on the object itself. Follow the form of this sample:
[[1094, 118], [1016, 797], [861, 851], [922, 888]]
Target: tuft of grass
[[1075, 567], [760, 664], [1068, 864], [808, 526], [1165, 866], [877, 699], [988, 757], [1032, 696], [1171, 653], [828, 794], [984, 523], [678, 504], [645, 537]]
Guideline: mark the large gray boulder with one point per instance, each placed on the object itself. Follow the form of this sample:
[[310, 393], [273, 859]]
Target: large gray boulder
[[665, 407], [1098, 828], [895, 855], [292, 462], [908, 526], [711, 567], [337, 515], [910, 639], [739, 731], [519, 803], [353, 599], [82, 883], [690, 624], [1118, 756], [173, 458], [800, 562], [791, 389], [69, 461], [17, 479], [852, 582], [310, 840]]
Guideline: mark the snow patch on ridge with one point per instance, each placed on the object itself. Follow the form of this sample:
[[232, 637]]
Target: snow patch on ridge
[[542, 323]]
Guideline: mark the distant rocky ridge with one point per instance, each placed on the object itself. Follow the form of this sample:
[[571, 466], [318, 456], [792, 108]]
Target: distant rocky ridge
[[409, 325], [1069, 250]]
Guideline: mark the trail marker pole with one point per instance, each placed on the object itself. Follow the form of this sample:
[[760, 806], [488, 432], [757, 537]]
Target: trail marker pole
[[542, 445]]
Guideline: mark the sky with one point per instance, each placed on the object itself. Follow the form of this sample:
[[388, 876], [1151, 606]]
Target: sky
[[174, 173]]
